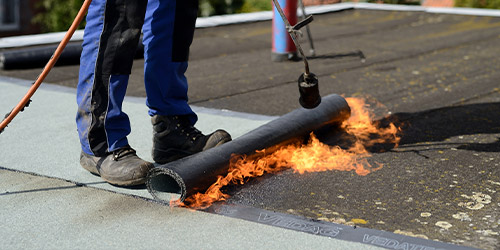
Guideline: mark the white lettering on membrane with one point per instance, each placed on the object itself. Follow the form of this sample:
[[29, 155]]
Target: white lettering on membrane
[[298, 225], [394, 244]]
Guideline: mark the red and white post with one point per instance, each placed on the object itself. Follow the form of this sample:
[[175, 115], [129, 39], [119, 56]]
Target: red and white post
[[283, 47]]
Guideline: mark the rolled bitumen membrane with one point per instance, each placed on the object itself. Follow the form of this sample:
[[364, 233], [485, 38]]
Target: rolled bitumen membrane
[[24, 58], [194, 174], [35, 57]]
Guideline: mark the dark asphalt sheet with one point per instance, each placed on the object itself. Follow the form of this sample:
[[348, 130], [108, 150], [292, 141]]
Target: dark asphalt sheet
[[439, 76]]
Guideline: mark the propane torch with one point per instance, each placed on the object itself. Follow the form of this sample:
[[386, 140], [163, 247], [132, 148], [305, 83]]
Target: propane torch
[[308, 82]]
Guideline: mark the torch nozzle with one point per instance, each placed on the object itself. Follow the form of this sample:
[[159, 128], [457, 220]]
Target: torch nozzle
[[309, 91]]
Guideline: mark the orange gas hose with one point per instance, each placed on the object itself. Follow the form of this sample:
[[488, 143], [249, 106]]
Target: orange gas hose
[[50, 64]]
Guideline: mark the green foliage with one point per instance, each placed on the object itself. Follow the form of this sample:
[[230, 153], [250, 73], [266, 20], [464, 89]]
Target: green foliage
[[219, 7], [489, 4], [57, 15], [255, 5]]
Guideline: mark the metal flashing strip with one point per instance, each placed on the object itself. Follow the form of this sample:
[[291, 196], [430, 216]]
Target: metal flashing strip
[[464, 11], [38, 39], [213, 21], [367, 236]]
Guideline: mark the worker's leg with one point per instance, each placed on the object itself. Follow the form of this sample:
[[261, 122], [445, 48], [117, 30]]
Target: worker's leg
[[168, 33], [111, 36]]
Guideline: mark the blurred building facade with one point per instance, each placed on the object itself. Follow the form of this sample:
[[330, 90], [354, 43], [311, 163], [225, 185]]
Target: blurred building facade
[[16, 16]]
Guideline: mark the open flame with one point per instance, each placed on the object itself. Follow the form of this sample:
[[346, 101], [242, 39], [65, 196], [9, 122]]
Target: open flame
[[311, 157]]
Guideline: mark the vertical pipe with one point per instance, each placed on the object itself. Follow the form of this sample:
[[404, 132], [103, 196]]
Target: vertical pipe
[[283, 47]]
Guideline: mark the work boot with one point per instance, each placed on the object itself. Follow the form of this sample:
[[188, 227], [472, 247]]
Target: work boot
[[121, 167], [174, 137]]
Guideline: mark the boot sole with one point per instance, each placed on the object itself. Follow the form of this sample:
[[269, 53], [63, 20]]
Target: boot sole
[[128, 183]]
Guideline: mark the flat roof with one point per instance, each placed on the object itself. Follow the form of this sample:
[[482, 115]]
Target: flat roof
[[437, 75]]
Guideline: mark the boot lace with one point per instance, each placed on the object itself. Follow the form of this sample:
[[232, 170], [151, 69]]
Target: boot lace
[[122, 152], [186, 128]]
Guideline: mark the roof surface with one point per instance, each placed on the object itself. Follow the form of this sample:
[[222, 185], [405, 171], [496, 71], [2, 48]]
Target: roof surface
[[437, 74]]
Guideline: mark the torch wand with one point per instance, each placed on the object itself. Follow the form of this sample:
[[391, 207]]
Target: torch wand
[[308, 82], [308, 31], [26, 100]]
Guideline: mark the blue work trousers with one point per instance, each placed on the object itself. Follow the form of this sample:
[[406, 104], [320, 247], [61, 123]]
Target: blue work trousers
[[111, 37]]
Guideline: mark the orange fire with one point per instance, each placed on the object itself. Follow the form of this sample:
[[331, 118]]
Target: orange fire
[[311, 157]]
